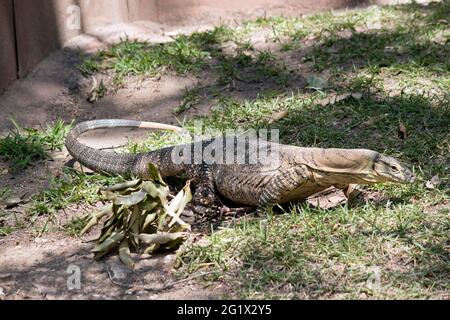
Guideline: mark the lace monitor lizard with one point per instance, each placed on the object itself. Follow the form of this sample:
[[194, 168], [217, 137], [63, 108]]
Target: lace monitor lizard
[[297, 174]]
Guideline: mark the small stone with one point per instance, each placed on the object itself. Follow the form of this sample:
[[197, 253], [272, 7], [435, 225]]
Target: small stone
[[169, 259], [119, 271], [12, 202]]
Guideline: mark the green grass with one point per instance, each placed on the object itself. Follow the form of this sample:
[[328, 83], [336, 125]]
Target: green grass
[[130, 57], [200, 51], [76, 225], [71, 187], [155, 141], [4, 193], [23, 145], [382, 67], [191, 98], [4, 230], [313, 253]]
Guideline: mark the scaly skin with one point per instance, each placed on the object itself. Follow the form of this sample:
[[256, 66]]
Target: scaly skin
[[299, 173]]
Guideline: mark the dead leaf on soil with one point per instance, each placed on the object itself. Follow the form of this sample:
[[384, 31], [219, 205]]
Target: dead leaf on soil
[[335, 98], [97, 91], [433, 182]]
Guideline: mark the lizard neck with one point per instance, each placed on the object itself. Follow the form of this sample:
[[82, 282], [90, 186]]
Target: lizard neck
[[340, 180]]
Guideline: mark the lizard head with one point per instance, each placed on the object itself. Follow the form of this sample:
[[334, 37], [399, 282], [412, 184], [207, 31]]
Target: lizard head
[[359, 166], [389, 169]]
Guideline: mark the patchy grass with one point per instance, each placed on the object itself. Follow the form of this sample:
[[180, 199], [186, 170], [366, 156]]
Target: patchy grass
[[156, 140], [4, 193], [312, 253], [408, 42], [191, 98], [200, 51], [4, 230], [71, 187], [75, 225], [23, 146]]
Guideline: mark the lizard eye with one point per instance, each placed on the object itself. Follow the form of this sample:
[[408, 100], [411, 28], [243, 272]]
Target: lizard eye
[[394, 168]]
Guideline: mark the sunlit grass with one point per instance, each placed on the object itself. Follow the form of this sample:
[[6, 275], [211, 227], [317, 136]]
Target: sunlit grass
[[23, 145]]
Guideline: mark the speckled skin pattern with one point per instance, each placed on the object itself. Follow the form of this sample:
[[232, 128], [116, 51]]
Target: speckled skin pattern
[[297, 174]]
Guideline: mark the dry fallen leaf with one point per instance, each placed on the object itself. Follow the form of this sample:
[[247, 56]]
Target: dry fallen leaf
[[433, 182], [277, 116], [356, 95], [140, 212], [402, 133]]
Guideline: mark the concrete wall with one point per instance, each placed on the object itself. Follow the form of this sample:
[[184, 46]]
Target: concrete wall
[[8, 64], [40, 30], [143, 10], [189, 11], [42, 25], [97, 13]]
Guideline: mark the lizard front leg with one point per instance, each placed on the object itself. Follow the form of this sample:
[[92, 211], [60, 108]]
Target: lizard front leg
[[205, 200], [352, 193], [282, 184]]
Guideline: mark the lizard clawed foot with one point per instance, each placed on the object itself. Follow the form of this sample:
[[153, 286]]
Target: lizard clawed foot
[[354, 194], [226, 211], [204, 211], [206, 206]]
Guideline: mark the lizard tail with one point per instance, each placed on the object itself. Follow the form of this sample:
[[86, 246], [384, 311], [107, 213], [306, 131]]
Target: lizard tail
[[120, 163]]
